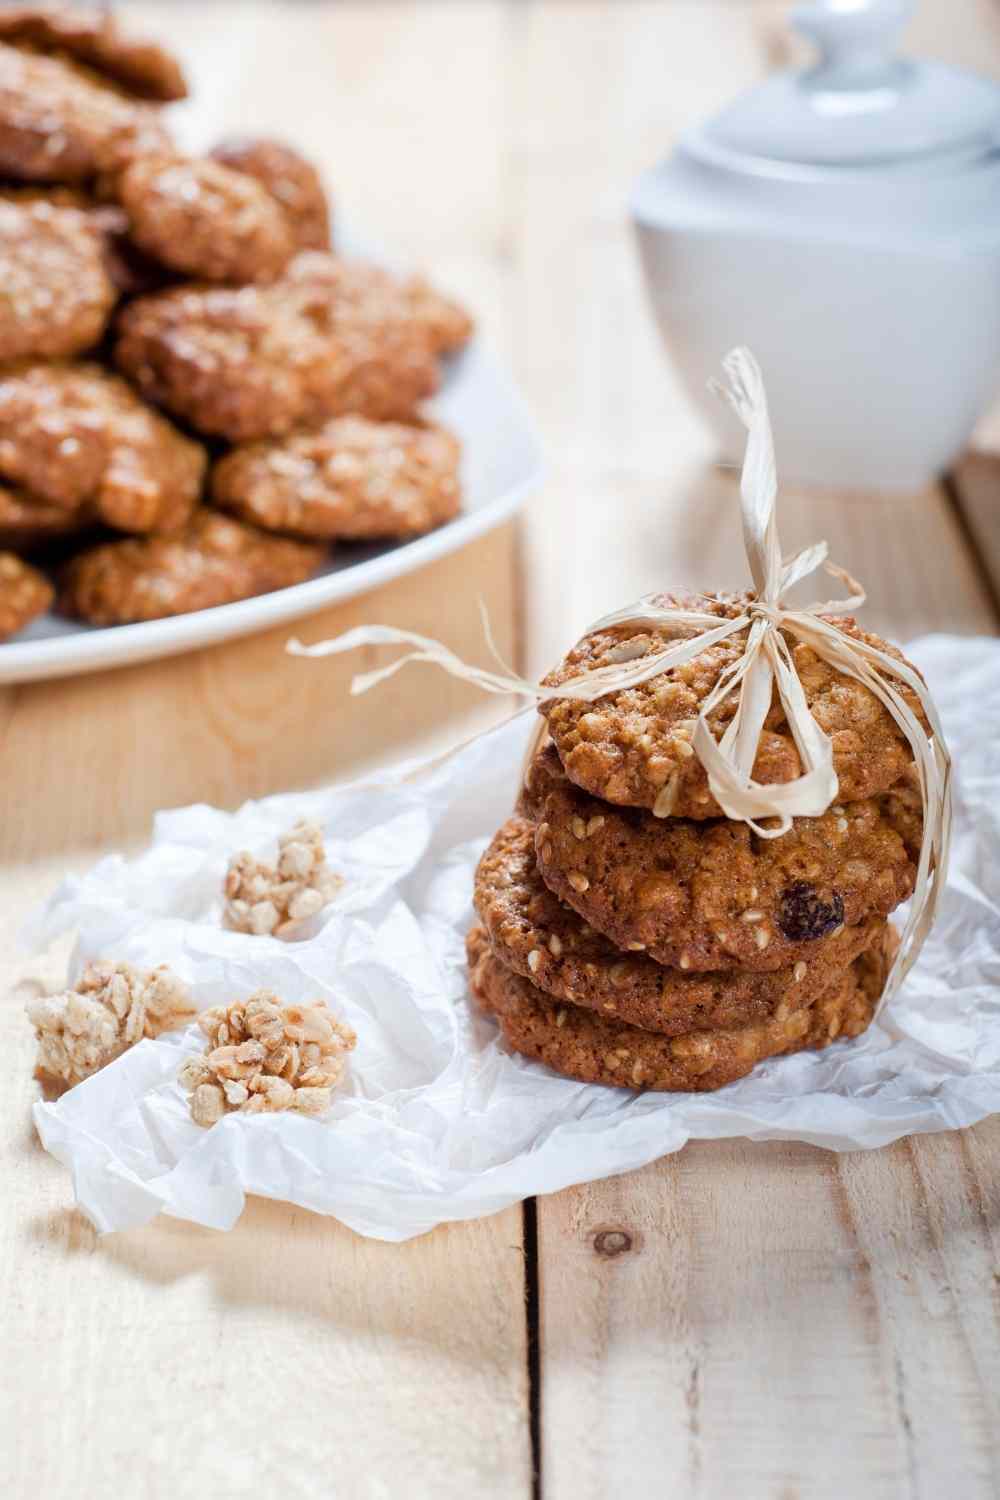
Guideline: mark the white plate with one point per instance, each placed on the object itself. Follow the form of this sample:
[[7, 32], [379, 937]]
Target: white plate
[[501, 464]]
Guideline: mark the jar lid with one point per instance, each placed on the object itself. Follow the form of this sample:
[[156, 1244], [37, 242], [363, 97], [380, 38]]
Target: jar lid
[[860, 105]]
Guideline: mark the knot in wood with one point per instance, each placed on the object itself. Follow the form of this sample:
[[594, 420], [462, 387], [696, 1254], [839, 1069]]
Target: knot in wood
[[612, 1242]]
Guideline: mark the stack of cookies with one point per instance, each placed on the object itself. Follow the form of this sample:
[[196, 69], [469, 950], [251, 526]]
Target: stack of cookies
[[197, 397], [630, 934]]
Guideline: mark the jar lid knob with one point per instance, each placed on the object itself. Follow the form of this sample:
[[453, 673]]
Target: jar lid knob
[[856, 40]]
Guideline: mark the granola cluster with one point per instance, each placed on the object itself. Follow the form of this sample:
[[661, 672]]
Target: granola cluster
[[112, 1006], [158, 308], [263, 898], [263, 1057]]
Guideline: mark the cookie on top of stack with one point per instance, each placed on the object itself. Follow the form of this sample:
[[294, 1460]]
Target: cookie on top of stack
[[630, 934], [179, 339]]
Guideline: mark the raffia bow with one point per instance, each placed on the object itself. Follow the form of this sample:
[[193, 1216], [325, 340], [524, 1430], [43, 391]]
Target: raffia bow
[[766, 661]]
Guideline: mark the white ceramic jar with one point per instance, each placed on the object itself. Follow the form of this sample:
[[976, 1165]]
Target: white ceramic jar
[[844, 223]]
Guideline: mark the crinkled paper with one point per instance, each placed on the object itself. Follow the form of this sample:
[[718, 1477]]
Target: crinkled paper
[[437, 1121]]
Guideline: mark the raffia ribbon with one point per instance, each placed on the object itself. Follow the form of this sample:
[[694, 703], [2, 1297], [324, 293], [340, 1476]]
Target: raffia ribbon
[[766, 662]]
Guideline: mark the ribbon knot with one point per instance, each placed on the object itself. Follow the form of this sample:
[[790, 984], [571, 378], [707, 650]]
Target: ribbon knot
[[765, 667]]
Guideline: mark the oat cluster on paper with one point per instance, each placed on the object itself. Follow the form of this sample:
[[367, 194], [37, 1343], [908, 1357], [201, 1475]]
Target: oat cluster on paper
[[263, 898], [111, 1007], [264, 1056]]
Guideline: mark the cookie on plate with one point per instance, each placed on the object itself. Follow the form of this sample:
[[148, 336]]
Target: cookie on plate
[[60, 124], [350, 478], [634, 747], [75, 434], [330, 337], [205, 220], [93, 37], [715, 895], [26, 523], [290, 179], [584, 1046], [448, 326], [536, 935], [130, 271], [24, 594], [57, 294], [214, 560]]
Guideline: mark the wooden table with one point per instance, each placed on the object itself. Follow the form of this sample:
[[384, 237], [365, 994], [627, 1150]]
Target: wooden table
[[766, 1320]]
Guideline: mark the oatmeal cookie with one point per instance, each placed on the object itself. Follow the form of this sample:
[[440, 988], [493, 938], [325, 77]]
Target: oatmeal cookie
[[536, 935], [24, 594], [26, 523], [212, 561], [55, 291], [330, 337], [58, 124], [352, 478], [449, 327], [93, 37], [74, 435], [373, 296], [205, 220], [634, 747], [581, 1045], [290, 179], [130, 271], [715, 895]]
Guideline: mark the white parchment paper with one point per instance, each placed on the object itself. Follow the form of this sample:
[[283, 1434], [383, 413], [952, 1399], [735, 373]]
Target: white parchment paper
[[437, 1120]]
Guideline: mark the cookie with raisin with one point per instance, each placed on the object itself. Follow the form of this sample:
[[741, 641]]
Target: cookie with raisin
[[544, 940], [714, 894]]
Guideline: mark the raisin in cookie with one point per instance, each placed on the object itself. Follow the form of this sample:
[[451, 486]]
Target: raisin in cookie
[[74, 435], [351, 478], [292, 181], [93, 37], [24, 594], [634, 747], [715, 895], [212, 561], [205, 220], [539, 937], [581, 1045], [56, 294], [330, 337], [59, 124]]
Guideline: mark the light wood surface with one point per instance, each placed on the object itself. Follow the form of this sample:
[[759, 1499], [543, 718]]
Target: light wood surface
[[736, 1320]]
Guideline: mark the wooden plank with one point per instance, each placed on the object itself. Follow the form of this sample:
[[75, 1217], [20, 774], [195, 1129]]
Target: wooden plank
[[774, 1320], [291, 1356], [785, 1322]]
